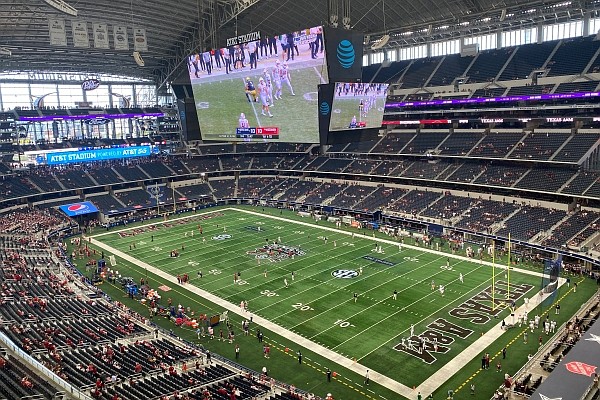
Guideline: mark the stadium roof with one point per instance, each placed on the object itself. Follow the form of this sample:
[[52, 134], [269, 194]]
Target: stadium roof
[[175, 29]]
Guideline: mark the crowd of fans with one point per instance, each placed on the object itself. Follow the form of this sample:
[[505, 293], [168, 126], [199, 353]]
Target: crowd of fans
[[31, 224]]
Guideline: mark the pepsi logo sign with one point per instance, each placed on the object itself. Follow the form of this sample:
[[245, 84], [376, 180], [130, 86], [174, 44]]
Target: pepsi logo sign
[[90, 84], [77, 207]]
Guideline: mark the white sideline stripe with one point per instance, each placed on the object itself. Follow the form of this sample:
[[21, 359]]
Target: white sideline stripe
[[478, 347], [426, 387], [449, 369], [294, 337], [320, 76], [253, 108]]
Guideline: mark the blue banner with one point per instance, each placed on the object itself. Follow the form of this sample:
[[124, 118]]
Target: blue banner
[[379, 261], [68, 157], [72, 210]]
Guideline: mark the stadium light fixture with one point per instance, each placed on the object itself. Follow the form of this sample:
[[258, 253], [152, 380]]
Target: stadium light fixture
[[379, 43], [138, 59], [62, 6]]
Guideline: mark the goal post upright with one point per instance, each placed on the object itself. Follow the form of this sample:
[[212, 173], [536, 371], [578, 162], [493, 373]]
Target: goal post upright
[[493, 274], [508, 271]]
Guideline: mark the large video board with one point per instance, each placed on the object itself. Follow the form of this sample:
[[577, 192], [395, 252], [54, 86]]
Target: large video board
[[265, 90], [357, 105]]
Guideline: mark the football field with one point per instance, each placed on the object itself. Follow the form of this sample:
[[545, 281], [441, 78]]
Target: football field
[[347, 107], [335, 287]]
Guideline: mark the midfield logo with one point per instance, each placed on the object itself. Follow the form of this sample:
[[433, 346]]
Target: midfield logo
[[276, 252]]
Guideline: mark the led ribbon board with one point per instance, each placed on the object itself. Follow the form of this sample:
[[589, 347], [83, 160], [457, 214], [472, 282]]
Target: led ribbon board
[[69, 157], [483, 100]]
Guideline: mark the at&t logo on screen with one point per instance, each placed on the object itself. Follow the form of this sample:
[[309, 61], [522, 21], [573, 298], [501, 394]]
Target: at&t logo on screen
[[346, 54], [324, 108]]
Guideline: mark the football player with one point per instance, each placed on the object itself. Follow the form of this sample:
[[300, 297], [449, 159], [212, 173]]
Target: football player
[[366, 108], [269, 83], [242, 123], [277, 79], [250, 90], [353, 123], [285, 77], [262, 93]]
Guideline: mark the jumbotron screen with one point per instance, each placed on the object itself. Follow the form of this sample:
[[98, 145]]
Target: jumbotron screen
[[261, 91], [357, 105]]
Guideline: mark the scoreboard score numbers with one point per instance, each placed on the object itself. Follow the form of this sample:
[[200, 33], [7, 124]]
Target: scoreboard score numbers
[[265, 132]]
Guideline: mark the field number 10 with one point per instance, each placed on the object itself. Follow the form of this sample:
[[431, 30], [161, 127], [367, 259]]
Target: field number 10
[[342, 324]]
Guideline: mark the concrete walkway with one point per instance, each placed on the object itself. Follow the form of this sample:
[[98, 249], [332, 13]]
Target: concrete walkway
[[427, 387]]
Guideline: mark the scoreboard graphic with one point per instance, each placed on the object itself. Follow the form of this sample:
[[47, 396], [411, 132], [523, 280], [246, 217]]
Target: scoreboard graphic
[[264, 132]]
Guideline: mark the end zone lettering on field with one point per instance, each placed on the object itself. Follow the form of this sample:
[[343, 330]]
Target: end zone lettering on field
[[379, 261], [477, 310], [155, 227], [435, 339]]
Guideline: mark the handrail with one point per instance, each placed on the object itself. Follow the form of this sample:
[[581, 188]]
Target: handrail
[[47, 374]]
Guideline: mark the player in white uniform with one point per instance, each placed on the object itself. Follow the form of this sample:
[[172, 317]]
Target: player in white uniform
[[269, 84], [243, 121], [264, 101], [365, 108], [285, 77], [277, 79]]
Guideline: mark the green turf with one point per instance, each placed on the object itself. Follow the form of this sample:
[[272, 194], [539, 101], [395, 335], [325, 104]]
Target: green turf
[[219, 103], [316, 303], [346, 107], [282, 365]]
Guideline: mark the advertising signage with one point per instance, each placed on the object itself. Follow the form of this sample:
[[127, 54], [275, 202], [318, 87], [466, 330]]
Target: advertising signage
[[72, 210], [486, 100], [69, 157]]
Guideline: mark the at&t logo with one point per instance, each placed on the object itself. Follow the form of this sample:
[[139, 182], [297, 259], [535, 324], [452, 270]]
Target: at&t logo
[[324, 108], [346, 54]]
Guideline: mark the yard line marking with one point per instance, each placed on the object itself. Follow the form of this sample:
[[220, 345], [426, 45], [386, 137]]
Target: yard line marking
[[373, 288], [335, 357], [252, 103], [303, 291], [320, 76], [432, 293]]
